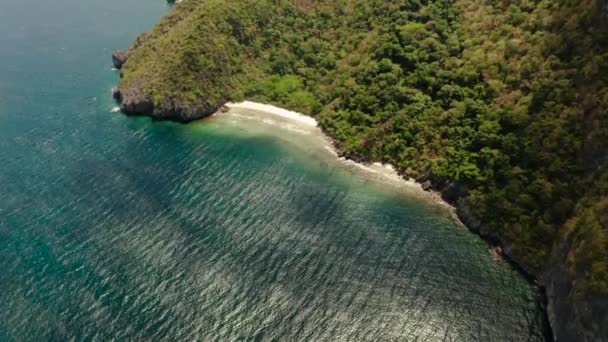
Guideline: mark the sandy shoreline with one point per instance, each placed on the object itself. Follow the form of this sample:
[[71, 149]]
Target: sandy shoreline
[[385, 170], [270, 109]]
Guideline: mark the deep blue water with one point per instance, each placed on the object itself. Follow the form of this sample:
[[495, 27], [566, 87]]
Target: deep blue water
[[117, 227]]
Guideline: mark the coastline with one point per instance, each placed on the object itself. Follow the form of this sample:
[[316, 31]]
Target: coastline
[[274, 110], [385, 171]]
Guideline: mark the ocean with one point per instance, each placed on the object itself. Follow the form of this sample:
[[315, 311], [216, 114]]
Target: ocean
[[244, 226]]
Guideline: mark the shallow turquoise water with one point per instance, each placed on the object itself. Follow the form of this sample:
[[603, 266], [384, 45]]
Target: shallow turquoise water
[[116, 227]]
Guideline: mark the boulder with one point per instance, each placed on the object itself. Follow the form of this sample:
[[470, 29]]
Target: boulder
[[426, 185], [453, 191], [176, 111], [119, 58], [134, 101]]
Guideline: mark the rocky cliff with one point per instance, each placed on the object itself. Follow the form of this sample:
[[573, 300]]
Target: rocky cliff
[[135, 99]]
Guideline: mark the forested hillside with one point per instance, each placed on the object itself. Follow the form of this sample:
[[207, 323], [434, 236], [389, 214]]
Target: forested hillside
[[500, 104]]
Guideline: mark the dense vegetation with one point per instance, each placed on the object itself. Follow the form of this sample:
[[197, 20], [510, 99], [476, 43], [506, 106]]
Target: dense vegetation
[[506, 98]]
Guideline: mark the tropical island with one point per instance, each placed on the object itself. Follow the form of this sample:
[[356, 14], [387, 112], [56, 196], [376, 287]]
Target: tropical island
[[499, 105]]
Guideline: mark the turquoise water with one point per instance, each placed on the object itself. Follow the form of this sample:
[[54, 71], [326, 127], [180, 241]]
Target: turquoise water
[[117, 227]]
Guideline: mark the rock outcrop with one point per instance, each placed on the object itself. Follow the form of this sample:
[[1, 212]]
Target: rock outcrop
[[177, 112], [134, 100], [426, 185], [573, 317], [119, 58]]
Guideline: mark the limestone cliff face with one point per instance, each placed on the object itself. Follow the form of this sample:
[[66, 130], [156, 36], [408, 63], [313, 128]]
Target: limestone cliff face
[[134, 100], [573, 317], [119, 58]]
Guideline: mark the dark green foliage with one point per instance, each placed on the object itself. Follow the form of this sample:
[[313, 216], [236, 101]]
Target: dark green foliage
[[287, 90]]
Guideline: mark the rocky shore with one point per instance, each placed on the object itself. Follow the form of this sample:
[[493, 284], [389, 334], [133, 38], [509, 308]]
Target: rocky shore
[[134, 101]]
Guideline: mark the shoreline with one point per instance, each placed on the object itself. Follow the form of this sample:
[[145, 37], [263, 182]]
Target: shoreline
[[386, 171], [274, 110]]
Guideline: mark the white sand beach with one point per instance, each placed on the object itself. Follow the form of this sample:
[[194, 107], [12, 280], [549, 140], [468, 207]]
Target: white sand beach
[[295, 116]]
